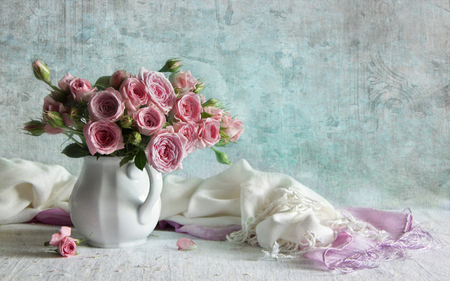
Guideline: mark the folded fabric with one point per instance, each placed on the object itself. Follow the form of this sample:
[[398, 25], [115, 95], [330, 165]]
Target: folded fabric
[[274, 211]]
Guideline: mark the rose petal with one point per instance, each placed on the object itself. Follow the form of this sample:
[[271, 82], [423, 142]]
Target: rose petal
[[57, 237], [185, 244]]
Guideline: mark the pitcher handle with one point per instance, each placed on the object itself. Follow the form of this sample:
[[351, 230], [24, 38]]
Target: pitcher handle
[[154, 192]]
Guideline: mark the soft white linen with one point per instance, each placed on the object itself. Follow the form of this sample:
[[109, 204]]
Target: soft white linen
[[268, 206], [27, 188]]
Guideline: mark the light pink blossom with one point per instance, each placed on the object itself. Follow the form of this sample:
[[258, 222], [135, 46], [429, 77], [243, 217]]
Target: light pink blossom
[[63, 84], [149, 120], [183, 81], [233, 129], [215, 112], [81, 89], [103, 137], [159, 87], [51, 105], [188, 108], [185, 244], [117, 78], [57, 237], [106, 105], [208, 133], [189, 131], [134, 93], [166, 150]]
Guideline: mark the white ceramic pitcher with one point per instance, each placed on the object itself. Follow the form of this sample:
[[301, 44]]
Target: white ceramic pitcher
[[115, 206]]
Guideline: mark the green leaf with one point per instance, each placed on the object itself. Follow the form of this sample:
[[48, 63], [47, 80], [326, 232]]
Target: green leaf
[[103, 82], [206, 115], [140, 160], [74, 150], [222, 157], [126, 159]]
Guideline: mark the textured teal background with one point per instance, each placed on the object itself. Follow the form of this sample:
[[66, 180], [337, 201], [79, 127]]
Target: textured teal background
[[350, 97]]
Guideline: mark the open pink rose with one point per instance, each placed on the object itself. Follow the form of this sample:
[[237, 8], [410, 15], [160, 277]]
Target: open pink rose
[[183, 81], [233, 129], [134, 93], [81, 89], [67, 247], [166, 150], [189, 131], [63, 84], [160, 90], [57, 237], [106, 105], [208, 133], [214, 111], [103, 137], [149, 120], [188, 108]]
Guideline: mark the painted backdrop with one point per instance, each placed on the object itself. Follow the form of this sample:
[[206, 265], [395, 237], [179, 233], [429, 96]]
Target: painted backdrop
[[350, 97]]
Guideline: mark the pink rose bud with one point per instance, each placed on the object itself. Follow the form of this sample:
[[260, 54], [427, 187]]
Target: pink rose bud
[[200, 86], [149, 120], [185, 244], [189, 131], [117, 78], [54, 119], [233, 130], [81, 89], [183, 81], [106, 105], [103, 137], [208, 133], [34, 128], [41, 71], [188, 108], [134, 93], [63, 84], [161, 91], [165, 151], [57, 237], [216, 113], [67, 247]]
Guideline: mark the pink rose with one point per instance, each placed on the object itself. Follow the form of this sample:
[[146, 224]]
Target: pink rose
[[188, 108], [189, 131], [81, 89], [57, 237], [103, 137], [106, 105], [117, 78], [160, 90], [63, 84], [183, 81], [67, 247], [149, 120], [134, 93], [208, 133], [215, 112], [51, 105], [166, 150], [233, 129]]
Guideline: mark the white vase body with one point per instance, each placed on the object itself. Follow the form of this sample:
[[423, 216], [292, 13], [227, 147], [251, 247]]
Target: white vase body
[[115, 206]]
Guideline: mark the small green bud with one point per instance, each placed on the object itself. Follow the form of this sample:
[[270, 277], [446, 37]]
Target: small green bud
[[126, 121], [135, 138], [200, 86], [34, 127], [172, 65], [41, 71], [54, 119], [222, 157]]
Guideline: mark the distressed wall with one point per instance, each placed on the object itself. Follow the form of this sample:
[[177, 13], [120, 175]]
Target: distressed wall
[[350, 97]]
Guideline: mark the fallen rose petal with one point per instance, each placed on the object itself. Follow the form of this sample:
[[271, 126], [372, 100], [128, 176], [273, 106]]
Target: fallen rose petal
[[185, 244]]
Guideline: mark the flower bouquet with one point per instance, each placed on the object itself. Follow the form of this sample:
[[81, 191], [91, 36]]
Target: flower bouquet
[[155, 117]]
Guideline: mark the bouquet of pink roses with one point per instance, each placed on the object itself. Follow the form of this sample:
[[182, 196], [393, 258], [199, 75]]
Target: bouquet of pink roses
[[148, 117]]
